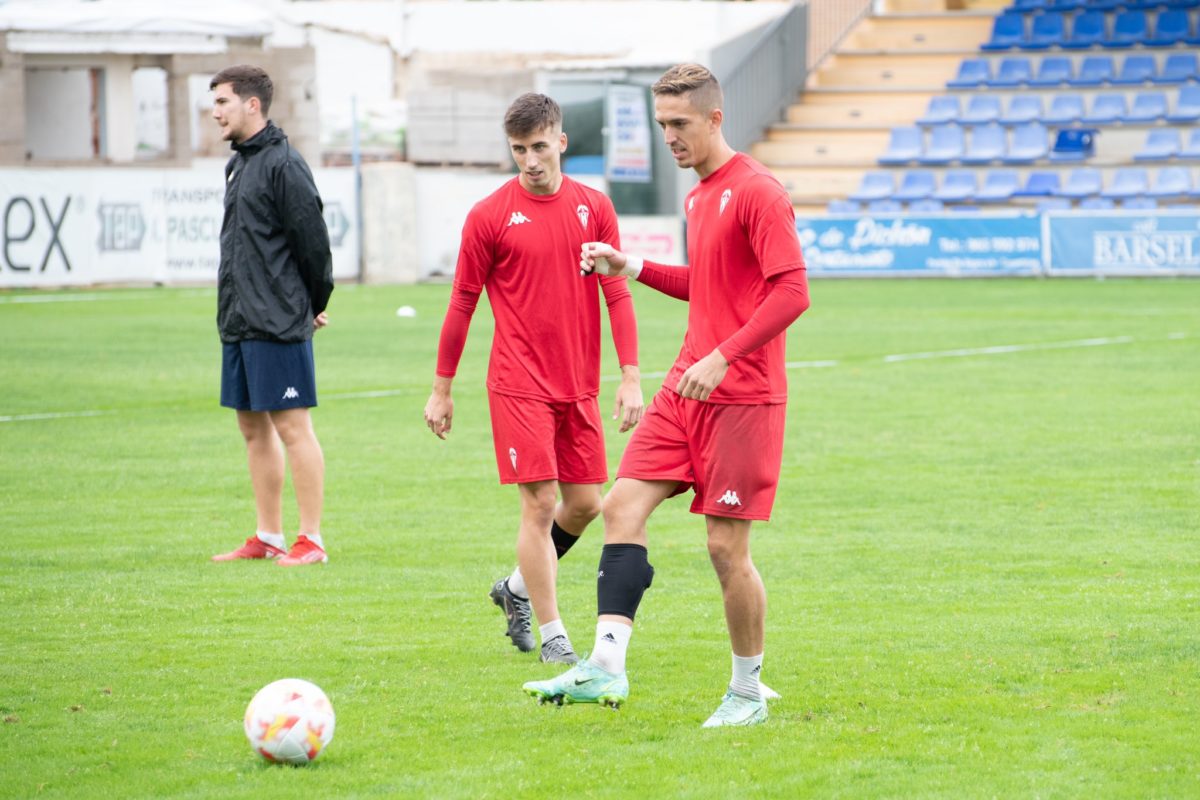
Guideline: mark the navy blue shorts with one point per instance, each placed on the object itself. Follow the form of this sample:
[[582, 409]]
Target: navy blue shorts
[[268, 376]]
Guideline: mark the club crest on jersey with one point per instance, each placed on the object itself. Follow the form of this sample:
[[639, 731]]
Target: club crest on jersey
[[582, 213], [691, 203], [725, 195]]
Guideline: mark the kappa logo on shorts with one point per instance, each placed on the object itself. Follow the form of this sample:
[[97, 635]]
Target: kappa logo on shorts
[[512, 456], [291, 393], [516, 219], [730, 498], [582, 212]]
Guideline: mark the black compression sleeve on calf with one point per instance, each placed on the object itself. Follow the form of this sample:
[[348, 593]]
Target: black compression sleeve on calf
[[625, 574], [562, 539]]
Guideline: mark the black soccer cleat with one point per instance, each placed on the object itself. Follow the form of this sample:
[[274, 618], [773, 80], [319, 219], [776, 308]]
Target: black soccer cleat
[[517, 612]]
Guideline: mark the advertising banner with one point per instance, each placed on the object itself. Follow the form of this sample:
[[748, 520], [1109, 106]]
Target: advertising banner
[[957, 245], [628, 156], [1124, 243], [62, 227]]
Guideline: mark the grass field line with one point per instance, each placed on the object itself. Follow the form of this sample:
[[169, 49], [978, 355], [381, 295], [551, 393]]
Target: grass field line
[[54, 415], [1012, 348], [91, 297]]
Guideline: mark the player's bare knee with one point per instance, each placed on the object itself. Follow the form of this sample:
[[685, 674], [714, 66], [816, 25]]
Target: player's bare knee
[[538, 502]]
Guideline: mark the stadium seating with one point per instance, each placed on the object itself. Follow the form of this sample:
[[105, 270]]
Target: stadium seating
[[1048, 30], [1171, 182], [998, 186], [988, 144], [915, 184], [942, 108], [1178, 68], [1008, 31], [884, 207], [1139, 204], [1094, 71], [837, 206], [1030, 142], [1082, 182], [904, 147], [1039, 184], [981, 108], [1074, 144], [1147, 107], [1187, 109], [1064, 109], [1012, 72], [1161, 144], [1106, 108], [1170, 28], [1127, 182], [1087, 29], [972, 72], [874, 186], [1053, 204], [957, 185], [1022, 108], [1135, 70], [1097, 204], [1129, 28], [926, 205], [1192, 148], [1054, 71], [946, 144]]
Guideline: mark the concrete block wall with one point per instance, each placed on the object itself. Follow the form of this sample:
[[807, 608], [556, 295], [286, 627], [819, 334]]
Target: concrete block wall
[[12, 100]]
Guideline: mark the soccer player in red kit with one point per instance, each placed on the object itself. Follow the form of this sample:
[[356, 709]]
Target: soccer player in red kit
[[717, 423], [521, 245]]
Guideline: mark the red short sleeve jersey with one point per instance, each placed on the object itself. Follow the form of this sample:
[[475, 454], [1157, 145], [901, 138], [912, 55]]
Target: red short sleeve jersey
[[741, 230], [523, 250]]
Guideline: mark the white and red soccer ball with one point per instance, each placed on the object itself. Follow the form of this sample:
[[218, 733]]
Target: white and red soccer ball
[[290, 721]]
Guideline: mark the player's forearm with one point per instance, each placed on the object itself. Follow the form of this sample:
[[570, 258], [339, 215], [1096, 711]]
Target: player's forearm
[[622, 322], [669, 279], [453, 338], [787, 300]]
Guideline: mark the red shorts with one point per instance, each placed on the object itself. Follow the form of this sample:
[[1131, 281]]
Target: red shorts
[[730, 454], [540, 440]]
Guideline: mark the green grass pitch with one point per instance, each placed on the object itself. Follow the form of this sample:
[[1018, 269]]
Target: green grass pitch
[[983, 570]]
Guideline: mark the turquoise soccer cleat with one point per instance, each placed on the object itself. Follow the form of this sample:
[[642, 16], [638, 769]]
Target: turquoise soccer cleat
[[738, 710], [582, 683]]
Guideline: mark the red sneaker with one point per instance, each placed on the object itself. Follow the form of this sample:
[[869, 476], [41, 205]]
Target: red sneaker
[[304, 551], [253, 548]]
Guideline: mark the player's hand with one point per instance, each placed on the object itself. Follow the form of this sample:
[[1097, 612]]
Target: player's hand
[[601, 258], [439, 413], [631, 405], [699, 380], [320, 321]]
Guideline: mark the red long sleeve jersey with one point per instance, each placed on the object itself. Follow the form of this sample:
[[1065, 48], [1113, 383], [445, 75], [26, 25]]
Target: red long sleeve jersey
[[523, 249], [741, 232]]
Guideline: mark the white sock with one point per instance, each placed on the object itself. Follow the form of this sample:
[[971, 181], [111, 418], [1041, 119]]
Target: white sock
[[612, 640], [746, 671], [315, 538], [273, 539], [552, 629], [516, 584]]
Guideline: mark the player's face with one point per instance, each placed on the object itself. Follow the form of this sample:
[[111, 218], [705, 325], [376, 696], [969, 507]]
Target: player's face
[[687, 130], [231, 113], [539, 158]]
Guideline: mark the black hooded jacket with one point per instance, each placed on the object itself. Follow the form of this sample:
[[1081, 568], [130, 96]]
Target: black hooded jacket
[[276, 270]]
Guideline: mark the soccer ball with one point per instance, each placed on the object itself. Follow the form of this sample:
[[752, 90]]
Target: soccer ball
[[290, 720]]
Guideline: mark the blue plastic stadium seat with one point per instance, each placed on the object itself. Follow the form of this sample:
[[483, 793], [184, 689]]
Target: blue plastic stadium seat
[[1140, 204], [1101, 5], [1029, 5], [972, 72], [1127, 182], [1008, 31], [1129, 28], [1048, 30], [885, 207], [1039, 184], [1192, 148], [1187, 109], [915, 184], [1053, 204], [1083, 182], [1066, 5], [1161, 144], [1147, 107], [1097, 204], [1012, 71], [981, 108], [1087, 30], [946, 144], [1030, 142], [904, 147], [1135, 70], [874, 186], [843, 207], [1178, 68], [1094, 71], [926, 205], [1171, 182], [957, 185], [964, 209], [1183, 3], [1170, 28], [1064, 109], [1053, 71], [942, 108], [998, 186], [988, 144], [1022, 108], [1106, 108], [1074, 144]]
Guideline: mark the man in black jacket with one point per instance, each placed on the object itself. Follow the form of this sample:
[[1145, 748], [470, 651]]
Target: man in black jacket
[[274, 282]]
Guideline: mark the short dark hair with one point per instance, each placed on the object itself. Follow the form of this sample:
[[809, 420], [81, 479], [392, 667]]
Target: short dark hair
[[701, 86], [247, 80], [529, 113]]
